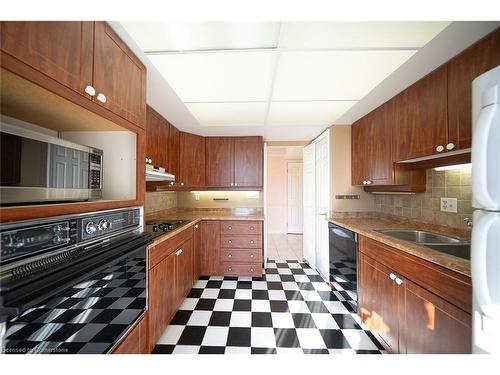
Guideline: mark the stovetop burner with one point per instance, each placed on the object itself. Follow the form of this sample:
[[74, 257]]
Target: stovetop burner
[[159, 226]]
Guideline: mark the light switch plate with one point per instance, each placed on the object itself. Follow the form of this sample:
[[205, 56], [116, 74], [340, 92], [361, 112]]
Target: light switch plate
[[449, 204]]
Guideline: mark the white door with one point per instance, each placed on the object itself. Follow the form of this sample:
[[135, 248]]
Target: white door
[[322, 167], [265, 207], [294, 197], [309, 202]]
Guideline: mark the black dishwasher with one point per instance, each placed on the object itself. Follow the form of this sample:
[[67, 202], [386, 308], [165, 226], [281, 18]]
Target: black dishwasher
[[343, 260]]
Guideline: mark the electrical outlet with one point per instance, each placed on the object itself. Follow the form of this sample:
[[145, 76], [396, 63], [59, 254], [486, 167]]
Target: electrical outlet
[[449, 204], [196, 196]]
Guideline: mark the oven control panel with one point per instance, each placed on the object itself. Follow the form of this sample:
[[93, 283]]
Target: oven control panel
[[100, 225]]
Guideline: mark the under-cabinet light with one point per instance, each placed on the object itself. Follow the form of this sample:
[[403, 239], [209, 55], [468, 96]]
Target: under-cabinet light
[[452, 167]]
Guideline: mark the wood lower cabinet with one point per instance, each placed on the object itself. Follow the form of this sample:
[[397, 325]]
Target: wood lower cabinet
[[411, 305], [136, 341], [248, 161], [61, 50], [192, 160], [209, 250], [196, 250], [119, 75], [184, 271], [476, 60]]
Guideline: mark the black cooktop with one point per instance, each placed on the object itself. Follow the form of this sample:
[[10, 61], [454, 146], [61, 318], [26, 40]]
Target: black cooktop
[[160, 226]]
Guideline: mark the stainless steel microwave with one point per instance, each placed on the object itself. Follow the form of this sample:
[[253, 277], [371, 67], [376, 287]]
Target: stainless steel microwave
[[39, 168]]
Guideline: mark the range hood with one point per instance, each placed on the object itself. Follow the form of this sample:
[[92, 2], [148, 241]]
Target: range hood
[[158, 174]]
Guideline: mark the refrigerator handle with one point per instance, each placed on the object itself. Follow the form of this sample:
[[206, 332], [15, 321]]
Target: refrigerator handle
[[480, 171], [479, 265]]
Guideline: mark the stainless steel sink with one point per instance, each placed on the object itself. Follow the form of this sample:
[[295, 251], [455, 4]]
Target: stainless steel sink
[[446, 244], [461, 250], [419, 236]]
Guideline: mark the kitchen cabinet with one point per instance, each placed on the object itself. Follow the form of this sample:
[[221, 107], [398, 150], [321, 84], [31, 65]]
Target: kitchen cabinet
[[86, 57], [359, 156], [196, 250], [219, 161], [422, 128], [184, 270], [157, 130], [474, 61], [62, 51], [248, 161], [119, 76], [173, 145], [192, 160], [136, 341], [208, 255], [411, 305]]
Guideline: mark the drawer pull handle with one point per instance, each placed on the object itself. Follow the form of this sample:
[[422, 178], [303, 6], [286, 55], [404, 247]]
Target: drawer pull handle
[[230, 241], [229, 228], [229, 268], [229, 255], [392, 276], [251, 241], [399, 281], [251, 269], [251, 228], [251, 255]]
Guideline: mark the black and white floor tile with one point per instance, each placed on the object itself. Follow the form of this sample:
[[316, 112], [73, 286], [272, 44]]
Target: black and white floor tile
[[290, 309]]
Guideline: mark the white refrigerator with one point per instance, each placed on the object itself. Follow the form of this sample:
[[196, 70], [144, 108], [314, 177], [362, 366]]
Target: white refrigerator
[[485, 251]]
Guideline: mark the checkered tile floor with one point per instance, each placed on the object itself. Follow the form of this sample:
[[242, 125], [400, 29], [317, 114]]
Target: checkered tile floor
[[290, 309]]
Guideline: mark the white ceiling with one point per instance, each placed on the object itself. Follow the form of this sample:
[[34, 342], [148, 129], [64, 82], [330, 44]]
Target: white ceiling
[[288, 80]]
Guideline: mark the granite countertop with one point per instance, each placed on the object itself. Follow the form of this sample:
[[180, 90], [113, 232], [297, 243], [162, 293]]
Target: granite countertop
[[197, 215], [367, 226]]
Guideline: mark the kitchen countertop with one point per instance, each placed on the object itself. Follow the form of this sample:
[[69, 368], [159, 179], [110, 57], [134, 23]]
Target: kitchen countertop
[[197, 215], [367, 226]]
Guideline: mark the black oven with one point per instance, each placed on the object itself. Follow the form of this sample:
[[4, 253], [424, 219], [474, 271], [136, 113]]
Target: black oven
[[81, 298]]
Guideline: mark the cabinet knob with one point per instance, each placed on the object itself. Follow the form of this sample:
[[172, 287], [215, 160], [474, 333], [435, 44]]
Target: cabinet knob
[[440, 148], [235, 184], [392, 276], [251, 255], [365, 182], [232, 184], [196, 226], [229, 269], [229, 228], [251, 228], [368, 182], [101, 97], [90, 90], [251, 241], [182, 183], [251, 269], [450, 146], [399, 281], [229, 255], [229, 241]]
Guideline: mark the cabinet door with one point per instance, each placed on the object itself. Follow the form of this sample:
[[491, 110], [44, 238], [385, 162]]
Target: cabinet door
[[248, 161], [462, 70], [379, 300], [61, 50], [192, 160], [196, 250], [184, 270], [173, 151], [422, 121], [209, 250], [219, 161], [432, 325], [162, 297], [119, 75], [136, 340], [156, 138], [380, 143], [359, 151]]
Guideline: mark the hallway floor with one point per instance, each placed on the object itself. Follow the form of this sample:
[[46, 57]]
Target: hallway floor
[[283, 247], [290, 309]]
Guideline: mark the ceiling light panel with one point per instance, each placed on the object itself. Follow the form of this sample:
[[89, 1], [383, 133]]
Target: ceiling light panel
[[326, 35], [307, 113], [334, 75], [229, 114], [218, 77], [185, 36]]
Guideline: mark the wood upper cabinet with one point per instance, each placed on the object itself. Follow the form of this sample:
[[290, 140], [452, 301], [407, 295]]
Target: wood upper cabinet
[[379, 301], [208, 256], [462, 70], [61, 50], [432, 325], [157, 130], [173, 151], [359, 154], [248, 161], [422, 124], [219, 161], [162, 295], [192, 160], [119, 75]]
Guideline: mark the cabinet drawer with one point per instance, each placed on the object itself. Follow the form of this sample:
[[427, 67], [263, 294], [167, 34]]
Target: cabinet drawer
[[160, 251], [241, 242], [240, 269], [241, 227], [241, 255]]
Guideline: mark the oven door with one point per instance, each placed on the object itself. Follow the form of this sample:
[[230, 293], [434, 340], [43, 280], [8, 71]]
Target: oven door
[[40, 168], [89, 316]]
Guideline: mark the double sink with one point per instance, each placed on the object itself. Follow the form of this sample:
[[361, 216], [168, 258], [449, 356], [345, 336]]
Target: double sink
[[446, 244]]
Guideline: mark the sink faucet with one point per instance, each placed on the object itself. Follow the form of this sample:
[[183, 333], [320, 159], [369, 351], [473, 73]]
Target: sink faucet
[[468, 222]]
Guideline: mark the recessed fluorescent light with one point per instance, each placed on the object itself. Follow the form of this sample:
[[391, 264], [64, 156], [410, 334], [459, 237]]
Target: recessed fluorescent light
[[452, 167]]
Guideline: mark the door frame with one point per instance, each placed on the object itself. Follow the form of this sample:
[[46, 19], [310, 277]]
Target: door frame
[[264, 186], [288, 162], [309, 241]]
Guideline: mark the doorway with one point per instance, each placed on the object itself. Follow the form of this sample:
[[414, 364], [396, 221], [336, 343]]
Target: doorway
[[284, 205]]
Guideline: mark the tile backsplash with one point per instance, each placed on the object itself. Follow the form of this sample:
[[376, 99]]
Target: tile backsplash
[[160, 200], [426, 206]]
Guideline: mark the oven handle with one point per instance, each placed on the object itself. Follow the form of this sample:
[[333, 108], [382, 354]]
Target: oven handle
[[30, 294]]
